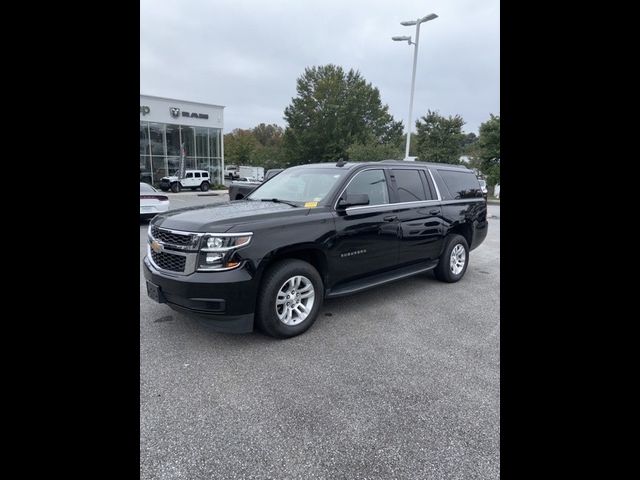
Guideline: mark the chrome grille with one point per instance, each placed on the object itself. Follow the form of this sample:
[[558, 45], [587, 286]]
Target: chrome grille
[[168, 261], [172, 238]]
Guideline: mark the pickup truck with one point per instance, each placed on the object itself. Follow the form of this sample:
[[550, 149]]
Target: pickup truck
[[240, 189]]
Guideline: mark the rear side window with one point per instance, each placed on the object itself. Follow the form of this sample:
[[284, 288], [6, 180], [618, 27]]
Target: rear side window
[[409, 185], [197, 174], [371, 182], [461, 184]]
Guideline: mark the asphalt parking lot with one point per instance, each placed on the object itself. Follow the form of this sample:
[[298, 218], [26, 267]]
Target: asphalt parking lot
[[402, 381]]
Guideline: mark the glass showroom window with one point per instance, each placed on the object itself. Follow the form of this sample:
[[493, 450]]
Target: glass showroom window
[[173, 140], [156, 136], [215, 170], [203, 164], [202, 142], [174, 164], [145, 146], [187, 137], [159, 168], [214, 142], [145, 169]]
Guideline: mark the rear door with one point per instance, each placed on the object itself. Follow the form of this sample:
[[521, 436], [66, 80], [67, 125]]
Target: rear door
[[419, 215], [366, 239]]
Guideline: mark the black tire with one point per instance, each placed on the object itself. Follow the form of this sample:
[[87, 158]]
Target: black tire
[[204, 186], [164, 189], [444, 271], [176, 187], [274, 278]]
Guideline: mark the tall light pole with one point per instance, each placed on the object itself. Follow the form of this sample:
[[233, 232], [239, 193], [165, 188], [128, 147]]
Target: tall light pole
[[417, 23]]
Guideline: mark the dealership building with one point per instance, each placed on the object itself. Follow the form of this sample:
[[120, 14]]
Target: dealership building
[[167, 125]]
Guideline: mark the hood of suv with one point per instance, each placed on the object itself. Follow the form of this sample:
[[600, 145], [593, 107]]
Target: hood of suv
[[220, 217]]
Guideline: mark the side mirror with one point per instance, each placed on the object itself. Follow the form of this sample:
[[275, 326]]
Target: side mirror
[[353, 200]]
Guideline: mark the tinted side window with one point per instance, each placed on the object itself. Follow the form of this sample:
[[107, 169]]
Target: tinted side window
[[205, 174], [197, 174], [371, 182], [461, 184], [409, 185], [189, 175]]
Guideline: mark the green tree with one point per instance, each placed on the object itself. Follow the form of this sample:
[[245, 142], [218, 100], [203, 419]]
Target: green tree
[[334, 109], [239, 146], [373, 150], [268, 135], [489, 145], [440, 139], [269, 157]]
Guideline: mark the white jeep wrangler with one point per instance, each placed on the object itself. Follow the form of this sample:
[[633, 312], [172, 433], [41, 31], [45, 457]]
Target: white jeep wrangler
[[192, 179]]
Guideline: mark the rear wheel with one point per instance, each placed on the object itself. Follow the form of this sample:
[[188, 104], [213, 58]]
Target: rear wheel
[[204, 186], [454, 259], [176, 187], [290, 298]]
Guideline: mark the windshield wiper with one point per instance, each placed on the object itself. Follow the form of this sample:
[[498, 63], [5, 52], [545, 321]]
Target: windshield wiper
[[277, 200]]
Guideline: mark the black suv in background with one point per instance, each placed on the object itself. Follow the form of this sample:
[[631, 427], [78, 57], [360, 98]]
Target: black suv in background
[[239, 190], [314, 232]]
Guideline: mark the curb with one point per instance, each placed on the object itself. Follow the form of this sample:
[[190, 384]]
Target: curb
[[197, 193]]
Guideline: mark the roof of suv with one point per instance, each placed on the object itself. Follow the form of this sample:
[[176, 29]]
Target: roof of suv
[[350, 165]]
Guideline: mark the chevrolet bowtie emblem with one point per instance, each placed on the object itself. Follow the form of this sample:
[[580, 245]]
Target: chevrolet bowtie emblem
[[156, 246]]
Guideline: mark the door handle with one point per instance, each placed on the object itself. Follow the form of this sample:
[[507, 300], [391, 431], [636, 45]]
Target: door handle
[[390, 218], [435, 211]]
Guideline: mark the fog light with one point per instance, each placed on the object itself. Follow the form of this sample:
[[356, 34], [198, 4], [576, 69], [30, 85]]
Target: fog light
[[213, 258]]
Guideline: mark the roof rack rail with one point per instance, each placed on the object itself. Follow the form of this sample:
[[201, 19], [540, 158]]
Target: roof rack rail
[[432, 164]]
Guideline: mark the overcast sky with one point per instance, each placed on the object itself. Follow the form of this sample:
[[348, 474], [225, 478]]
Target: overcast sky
[[247, 54]]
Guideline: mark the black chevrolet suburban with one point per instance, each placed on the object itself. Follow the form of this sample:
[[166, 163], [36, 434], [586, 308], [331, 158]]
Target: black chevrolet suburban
[[313, 232]]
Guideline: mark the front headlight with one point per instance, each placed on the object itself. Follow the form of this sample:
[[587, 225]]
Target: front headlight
[[217, 250], [222, 243]]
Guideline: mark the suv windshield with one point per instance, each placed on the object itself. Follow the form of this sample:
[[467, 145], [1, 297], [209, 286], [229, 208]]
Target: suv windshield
[[300, 185]]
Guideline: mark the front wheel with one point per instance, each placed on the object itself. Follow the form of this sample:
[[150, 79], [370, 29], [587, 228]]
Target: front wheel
[[454, 259], [290, 298], [204, 186], [176, 187]]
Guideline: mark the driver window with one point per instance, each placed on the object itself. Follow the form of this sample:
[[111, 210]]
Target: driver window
[[189, 175], [373, 183]]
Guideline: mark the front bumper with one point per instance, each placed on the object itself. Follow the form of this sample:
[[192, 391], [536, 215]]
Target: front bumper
[[226, 299]]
